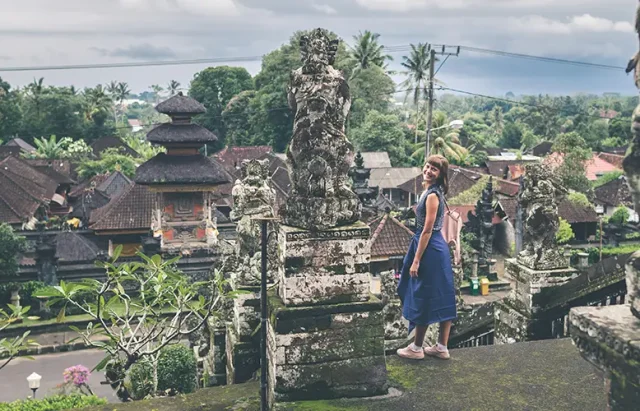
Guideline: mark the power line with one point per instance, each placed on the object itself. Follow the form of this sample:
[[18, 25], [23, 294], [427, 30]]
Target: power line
[[215, 60], [540, 58]]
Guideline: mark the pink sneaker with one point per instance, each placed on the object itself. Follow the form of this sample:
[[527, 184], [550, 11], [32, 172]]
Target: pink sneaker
[[409, 353], [435, 352]]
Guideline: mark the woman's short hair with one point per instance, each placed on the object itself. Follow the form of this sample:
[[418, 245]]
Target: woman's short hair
[[442, 164]]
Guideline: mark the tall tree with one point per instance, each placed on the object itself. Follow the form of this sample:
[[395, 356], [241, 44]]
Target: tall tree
[[367, 52], [11, 245], [157, 89], [214, 87], [573, 154], [371, 89], [10, 111], [445, 142], [417, 72], [381, 132]]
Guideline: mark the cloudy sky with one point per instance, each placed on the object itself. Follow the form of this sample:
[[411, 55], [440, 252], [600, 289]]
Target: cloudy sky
[[49, 32]]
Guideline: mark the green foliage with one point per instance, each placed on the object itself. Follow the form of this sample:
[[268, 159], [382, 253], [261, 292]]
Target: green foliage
[[10, 111], [159, 285], [512, 135], [607, 177], [11, 245], [214, 87], [177, 369], [575, 153], [367, 53], [140, 379], [620, 216], [370, 90], [565, 232], [145, 149], [26, 293], [381, 132], [472, 195], [65, 148], [594, 252], [237, 119], [53, 403], [632, 236], [579, 199], [110, 160], [10, 348]]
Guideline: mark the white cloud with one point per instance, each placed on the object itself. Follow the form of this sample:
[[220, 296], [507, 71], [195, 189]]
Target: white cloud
[[585, 23], [324, 8]]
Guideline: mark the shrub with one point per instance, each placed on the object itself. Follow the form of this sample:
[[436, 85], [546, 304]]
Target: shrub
[[26, 291], [620, 216], [140, 382], [177, 369], [53, 403], [565, 232], [579, 199]]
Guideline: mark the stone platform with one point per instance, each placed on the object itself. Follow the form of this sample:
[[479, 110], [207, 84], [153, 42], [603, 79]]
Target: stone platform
[[540, 375], [609, 337], [516, 317]]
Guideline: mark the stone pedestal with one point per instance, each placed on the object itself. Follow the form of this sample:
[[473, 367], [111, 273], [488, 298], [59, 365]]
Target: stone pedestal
[[242, 343], [326, 333], [517, 316], [609, 337]]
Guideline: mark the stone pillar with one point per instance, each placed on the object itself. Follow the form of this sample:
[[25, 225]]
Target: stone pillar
[[396, 328], [326, 334], [583, 260], [540, 266], [46, 260], [609, 337], [253, 197], [517, 316]]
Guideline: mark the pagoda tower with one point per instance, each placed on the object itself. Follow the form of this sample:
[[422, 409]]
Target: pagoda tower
[[183, 179]]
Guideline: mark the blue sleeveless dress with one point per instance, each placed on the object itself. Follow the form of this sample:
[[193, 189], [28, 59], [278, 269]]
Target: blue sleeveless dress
[[429, 298]]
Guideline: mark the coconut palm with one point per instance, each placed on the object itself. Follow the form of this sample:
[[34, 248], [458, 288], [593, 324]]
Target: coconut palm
[[96, 99], [173, 87], [366, 52], [416, 84], [35, 91], [122, 91], [157, 89], [444, 141]]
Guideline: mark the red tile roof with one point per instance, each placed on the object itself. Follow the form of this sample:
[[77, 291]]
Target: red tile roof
[[389, 237], [231, 157], [615, 159], [131, 210], [594, 168], [571, 212]]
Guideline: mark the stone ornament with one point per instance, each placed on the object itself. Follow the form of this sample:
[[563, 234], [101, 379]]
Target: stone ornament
[[320, 155], [540, 198]]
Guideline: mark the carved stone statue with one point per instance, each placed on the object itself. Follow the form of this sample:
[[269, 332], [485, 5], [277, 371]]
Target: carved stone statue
[[539, 200], [319, 155], [253, 197], [482, 224]]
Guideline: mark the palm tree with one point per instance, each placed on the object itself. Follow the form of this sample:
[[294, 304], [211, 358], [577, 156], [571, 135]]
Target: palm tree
[[497, 120], [96, 99], [367, 52], [36, 89], [122, 91], [157, 89], [173, 87], [417, 65], [445, 141]]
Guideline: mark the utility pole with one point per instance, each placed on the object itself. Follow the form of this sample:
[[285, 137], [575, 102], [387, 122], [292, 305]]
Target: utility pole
[[430, 96]]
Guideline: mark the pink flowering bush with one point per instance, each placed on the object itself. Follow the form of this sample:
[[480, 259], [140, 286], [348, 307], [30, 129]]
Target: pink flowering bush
[[76, 378]]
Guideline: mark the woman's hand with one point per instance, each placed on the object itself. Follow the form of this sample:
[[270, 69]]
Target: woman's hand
[[413, 271]]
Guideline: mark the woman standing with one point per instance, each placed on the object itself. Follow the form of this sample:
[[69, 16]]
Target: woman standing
[[426, 283]]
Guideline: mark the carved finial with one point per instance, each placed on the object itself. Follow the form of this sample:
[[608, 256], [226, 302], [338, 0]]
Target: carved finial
[[359, 160]]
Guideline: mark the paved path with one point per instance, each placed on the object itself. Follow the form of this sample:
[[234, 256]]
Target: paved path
[[13, 377]]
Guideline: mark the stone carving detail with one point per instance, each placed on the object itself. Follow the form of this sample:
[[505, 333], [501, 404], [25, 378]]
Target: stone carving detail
[[253, 198], [366, 194], [320, 155], [540, 198], [482, 225]]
